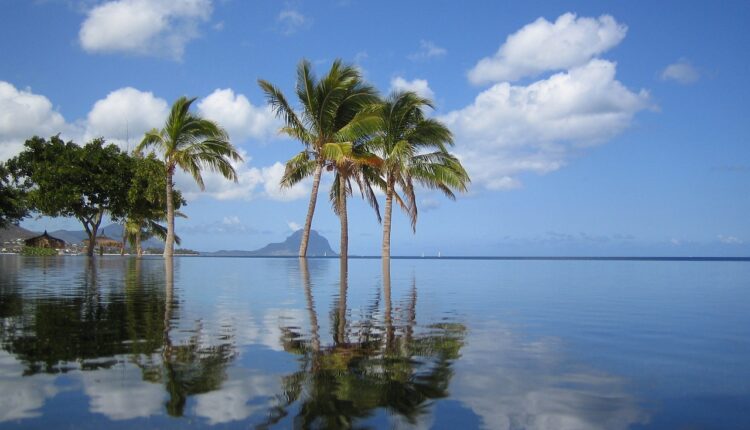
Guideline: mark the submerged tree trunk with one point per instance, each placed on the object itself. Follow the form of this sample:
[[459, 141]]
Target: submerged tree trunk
[[310, 211], [138, 250], [343, 286], [169, 241], [389, 331], [387, 219], [91, 225], [314, 327], [344, 220]]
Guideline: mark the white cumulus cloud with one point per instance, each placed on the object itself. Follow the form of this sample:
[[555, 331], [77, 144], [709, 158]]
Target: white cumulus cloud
[[24, 114], [125, 115], [271, 178], [419, 86], [144, 27], [510, 129], [682, 72], [546, 46], [238, 116], [252, 183]]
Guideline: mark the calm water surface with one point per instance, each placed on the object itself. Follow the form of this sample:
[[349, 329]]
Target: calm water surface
[[274, 343]]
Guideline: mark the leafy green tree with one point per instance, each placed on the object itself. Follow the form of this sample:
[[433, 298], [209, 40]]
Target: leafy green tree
[[146, 202], [12, 199], [65, 179], [329, 114], [413, 150], [191, 143]]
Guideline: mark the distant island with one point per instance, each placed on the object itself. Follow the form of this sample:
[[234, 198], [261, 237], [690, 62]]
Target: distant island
[[318, 246], [12, 237]]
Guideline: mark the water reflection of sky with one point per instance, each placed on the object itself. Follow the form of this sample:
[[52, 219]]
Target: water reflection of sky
[[238, 331]]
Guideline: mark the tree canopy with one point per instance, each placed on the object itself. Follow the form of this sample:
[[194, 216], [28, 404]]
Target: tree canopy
[[64, 179], [13, 206]]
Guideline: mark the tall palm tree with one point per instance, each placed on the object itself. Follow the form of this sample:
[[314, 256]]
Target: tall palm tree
[[191, 143], [328, 105], [351, 162], [413, 150]]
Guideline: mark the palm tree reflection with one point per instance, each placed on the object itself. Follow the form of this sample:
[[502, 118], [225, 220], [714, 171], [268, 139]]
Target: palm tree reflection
[[188, 367], [376, 363]]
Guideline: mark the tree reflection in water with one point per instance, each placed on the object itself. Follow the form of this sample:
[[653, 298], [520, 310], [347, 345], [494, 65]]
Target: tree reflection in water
[[189, 367], [82, 329], [370, 364]]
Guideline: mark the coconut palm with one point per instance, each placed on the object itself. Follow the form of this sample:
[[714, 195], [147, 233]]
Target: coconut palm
[[191, 143], [328, 106], [351, 162], [413, 150]]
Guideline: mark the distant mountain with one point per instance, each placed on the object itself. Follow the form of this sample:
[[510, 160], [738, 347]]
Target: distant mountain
[[113, 231], [317, 246], [13, 232]]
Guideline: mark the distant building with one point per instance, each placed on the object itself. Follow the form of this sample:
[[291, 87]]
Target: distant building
[[45, 241], [105, 243]]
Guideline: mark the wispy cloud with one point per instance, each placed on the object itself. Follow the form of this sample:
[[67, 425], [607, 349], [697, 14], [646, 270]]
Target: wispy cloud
[[681, 72], [291, 20], [427, 50], [730, 240]]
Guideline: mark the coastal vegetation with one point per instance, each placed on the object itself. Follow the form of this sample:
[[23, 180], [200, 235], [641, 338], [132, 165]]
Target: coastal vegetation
[[413, 149], [387, 144], [347, 128], [12, 205], [191, 143], [64, 179], [329, 114], [36, 251]]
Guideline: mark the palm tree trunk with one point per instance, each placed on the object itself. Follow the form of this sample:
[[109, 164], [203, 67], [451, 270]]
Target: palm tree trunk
[[387, 219], [344, 220], [169, 241], [310, 210]]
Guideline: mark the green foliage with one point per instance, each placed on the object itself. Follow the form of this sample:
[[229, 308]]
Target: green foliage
[[34, 251], [192, 143], [65, 179], [12, 199], [414, 149], [147, 200], [330, 113]]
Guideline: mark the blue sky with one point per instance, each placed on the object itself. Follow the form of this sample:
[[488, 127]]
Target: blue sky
[[589, 128]]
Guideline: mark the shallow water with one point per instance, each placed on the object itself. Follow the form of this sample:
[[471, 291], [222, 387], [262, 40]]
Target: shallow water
[[237, 343]]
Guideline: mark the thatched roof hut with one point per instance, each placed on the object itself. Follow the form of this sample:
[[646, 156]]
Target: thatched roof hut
[[105, 241], [45, 241]]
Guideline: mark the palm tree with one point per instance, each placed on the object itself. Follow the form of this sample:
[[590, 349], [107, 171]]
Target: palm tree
[[191, 143], [413, 149], [351, 161], [328, 106]]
